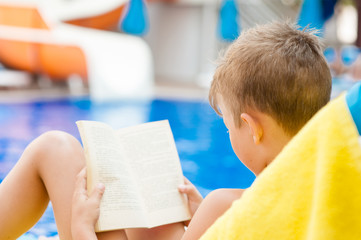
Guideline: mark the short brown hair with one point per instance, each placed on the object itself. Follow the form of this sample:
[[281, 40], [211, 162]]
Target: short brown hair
[[276, 69]]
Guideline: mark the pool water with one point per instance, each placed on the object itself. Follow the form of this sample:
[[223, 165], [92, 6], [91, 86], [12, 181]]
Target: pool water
[[201, 138]]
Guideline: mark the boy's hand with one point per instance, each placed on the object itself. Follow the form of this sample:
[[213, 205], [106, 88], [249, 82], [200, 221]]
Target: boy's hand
[[194, 197], [85, 209]]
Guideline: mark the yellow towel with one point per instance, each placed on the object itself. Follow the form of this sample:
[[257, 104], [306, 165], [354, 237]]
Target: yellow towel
[[312, 190]]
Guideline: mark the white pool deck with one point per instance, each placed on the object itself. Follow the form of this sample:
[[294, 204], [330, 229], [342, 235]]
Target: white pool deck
[[45, 89]]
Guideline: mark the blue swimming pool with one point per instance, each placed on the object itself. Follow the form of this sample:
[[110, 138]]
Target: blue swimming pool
[[202, 141]]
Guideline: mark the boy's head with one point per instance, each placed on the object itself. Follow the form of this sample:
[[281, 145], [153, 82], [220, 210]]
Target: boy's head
[[271, 81], [277, 70]]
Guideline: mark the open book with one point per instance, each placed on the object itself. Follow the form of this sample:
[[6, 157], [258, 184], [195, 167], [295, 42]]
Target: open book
[[141, 171]]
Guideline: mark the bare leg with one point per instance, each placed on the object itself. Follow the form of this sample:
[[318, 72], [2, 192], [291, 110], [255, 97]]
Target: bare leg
[[46, 170], [113, 235], [172, 231]]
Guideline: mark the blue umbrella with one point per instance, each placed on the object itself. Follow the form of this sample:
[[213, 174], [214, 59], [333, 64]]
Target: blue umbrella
[[229, 28], [136, 18], [311, 14]]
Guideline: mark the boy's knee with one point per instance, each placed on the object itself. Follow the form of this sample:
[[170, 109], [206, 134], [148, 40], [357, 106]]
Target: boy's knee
[[57, 149], [57, 140], [57, 136], [54, 144]]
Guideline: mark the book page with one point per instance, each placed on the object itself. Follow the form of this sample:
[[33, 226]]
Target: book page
[[153, 156], [120, 206]]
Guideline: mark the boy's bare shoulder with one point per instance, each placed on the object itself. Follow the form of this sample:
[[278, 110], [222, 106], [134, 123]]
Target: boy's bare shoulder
[[212, 207], [224, 195]]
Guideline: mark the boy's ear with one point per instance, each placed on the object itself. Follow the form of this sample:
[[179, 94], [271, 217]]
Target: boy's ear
[[254, 127]]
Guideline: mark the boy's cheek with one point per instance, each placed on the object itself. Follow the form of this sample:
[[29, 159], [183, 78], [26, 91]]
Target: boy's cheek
[[236, 147], [241, 149]]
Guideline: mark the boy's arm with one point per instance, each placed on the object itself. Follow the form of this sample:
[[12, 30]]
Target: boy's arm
[[85, 209], [212, 207]]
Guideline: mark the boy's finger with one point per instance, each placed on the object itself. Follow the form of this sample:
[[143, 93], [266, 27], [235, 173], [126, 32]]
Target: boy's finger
[[98, 192], [185, 188], [82, 172], [81, 179], [186, 181], [80, 184], [181, 188]]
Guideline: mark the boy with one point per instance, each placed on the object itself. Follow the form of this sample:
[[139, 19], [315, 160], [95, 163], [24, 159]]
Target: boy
[[272, 80]]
